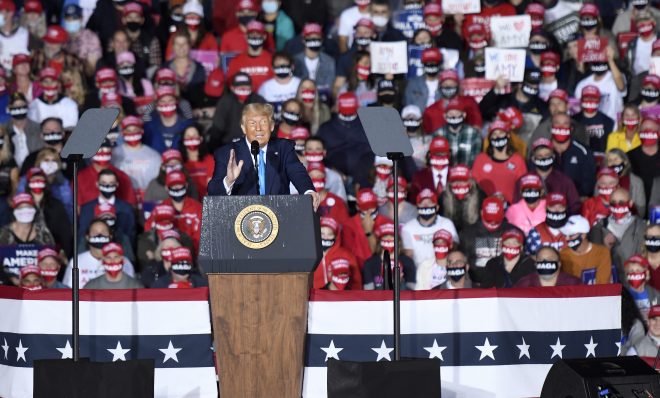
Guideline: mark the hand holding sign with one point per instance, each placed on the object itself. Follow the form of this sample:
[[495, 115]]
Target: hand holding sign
[[505, 63]]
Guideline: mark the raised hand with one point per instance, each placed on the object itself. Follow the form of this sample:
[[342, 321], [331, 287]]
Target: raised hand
[[233, 168]]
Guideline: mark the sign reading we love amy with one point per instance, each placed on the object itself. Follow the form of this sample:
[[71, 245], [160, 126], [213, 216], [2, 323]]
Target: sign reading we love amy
[[592, 50], [461, 6], [508, 63], [511, 32]]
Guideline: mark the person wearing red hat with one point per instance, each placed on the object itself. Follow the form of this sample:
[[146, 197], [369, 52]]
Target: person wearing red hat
[[31, 278], [331, 204], [549, 65], [597, 207], [596, 124], [499, 167], [52, 104], [53, 53], [489, 8], [14, 39], [640, 49], [530, 211], [106, 82], [33, 18], [509, 267], [548, 233], [587, 261], [434, 22], [138, 161], [234, 40], [649, 94], [423, 91], [49, 262], [481, 241], [332, 236], [434, 115], [256, 61], [514, 118], [537, 12], [373, 271], [407, 211], [143, 41], [181, 271], [461, 200], [114, 276], [417, 234], [464, 139], [89, 176], [624, 21], [359, 237], [347, 21], [644, 344], [434, 175], [50, 209], [313, 62], [314, 151], [194, 26], [433, 272], [197, 160], [171, 160], [347, 63], [645, 159], [23, 82], [636, 270]]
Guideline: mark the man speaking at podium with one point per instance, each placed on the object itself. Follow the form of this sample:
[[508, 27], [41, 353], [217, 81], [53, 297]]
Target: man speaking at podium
[[276, 159]]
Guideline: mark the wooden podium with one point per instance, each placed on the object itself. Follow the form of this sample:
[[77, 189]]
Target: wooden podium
[[259, 253]]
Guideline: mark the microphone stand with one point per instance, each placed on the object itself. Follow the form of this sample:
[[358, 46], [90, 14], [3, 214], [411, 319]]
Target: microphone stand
[[254, 148]]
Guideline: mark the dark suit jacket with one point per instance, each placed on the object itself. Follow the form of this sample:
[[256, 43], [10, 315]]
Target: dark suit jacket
[[125, 217], [282, 168]]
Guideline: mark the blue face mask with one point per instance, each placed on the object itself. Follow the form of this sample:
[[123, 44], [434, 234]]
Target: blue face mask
[[73, 26], [270, 7]]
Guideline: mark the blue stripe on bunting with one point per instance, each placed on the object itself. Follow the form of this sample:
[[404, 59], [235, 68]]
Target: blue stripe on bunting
[[195, 348], [461, 347]]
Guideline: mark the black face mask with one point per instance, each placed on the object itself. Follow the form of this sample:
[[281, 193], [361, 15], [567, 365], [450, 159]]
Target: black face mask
[[499, 143], [282, 71], [544, 164], [640, 6], [107, 190], [480, 69], [18, 112], [245, 19], [555, 219], [449, 92], [456, 273], [649, 95], [314, 44], [386, 98], [431, 70], [531, 195], [599, 68], [426, 213], [182, 268], [574, 243], [177, 195], [98, 241], [547, 267], [530, 90], [618, 168], [133, 26], [126, 71], [362, 42], [588, 23], [255, 42], [2, 142], [326, 244], [652, 244], [290, 118], [412, 125], [53, 137], [538, 47]]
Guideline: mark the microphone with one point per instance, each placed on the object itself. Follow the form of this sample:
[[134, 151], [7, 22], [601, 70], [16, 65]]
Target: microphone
[[387, 271], [254, 148]]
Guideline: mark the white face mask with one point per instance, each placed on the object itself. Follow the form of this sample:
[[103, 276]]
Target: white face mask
[[380, 21], [25, 215], [49, 167]]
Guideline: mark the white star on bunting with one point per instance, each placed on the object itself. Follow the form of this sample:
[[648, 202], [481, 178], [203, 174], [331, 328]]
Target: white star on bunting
[[618, 346], [591, 347], [383, 352], [435, 351], [524, 349], [119, 353], [170, 352], [486, 350], [557, 349], [20, 351], [331, 351], [5, 348], [66, 351]]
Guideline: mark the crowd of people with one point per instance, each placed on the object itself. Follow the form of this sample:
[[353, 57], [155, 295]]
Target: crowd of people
[[551, 181]]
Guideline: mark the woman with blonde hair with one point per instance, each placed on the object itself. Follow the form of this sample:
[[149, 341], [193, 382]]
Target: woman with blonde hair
[[617, 160], [74, 86], [8, 176], [48, 160], [314, 112], [626, 136]]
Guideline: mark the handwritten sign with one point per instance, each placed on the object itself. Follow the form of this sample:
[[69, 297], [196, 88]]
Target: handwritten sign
[[654, 68], [505, 62], [592, 50], [476, 87], [389, 57], [511, 32], [450, 58], [461, 6], [563, 28], [209, 59]]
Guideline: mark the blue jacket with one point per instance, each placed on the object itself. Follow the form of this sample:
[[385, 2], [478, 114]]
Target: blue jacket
[[417, 92], [579, 164], [325, 74], [282, 168], [125, 218]]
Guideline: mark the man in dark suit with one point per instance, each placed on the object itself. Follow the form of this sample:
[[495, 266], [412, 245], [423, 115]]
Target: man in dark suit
[[279, 165]]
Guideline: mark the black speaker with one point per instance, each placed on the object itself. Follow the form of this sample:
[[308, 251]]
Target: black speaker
[[63, 378], [620, 377], [419, 378]]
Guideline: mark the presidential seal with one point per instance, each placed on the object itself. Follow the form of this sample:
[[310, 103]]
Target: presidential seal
[[256, 226]]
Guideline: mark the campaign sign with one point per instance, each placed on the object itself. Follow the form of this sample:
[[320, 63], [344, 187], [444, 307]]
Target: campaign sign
[[15, 257], [505, 62], [476, 87], [226, 58], [389, 57], [209, 59], [511, 32], [563, 28], [592, 50], [461, 6], [415, 67]]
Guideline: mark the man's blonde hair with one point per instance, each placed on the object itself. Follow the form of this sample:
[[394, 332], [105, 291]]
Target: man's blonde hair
[[259, 109]]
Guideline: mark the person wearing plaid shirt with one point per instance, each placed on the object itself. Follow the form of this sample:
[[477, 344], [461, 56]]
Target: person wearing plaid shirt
[[464, 140]]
